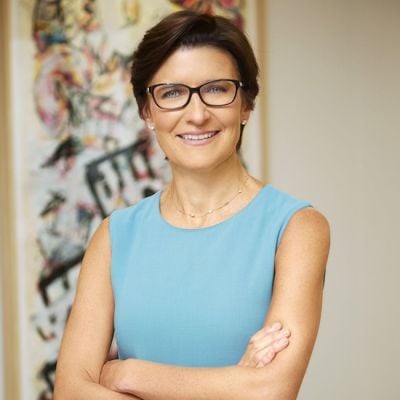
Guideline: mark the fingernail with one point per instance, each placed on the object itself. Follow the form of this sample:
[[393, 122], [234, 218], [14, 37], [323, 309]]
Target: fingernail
[[276, 326], [285, 332], [283, 341], [269, 356]]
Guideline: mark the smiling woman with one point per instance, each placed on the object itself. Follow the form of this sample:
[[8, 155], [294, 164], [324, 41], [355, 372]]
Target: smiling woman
[[213, 286]]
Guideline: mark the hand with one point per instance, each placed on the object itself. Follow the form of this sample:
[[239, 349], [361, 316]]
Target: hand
[[111, 374], [264, 345]]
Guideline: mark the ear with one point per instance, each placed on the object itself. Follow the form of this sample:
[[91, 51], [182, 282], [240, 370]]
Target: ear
[[150, 124], [147, 118], [244, 114]]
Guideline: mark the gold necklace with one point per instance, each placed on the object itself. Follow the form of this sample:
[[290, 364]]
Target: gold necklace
[[212, 210]]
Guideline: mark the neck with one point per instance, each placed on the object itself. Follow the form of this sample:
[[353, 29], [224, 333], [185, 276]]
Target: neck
[[197, 192]]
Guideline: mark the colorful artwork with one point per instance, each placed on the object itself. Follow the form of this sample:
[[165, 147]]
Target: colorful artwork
[[86, 150], [231, 9]]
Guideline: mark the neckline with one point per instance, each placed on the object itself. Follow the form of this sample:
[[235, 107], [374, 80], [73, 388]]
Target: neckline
[[228, 220]]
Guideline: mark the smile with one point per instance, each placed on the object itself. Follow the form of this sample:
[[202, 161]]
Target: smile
[[198, 138]]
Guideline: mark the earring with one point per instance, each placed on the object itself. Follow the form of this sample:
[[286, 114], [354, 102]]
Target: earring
[[244, 122], [150, 125]]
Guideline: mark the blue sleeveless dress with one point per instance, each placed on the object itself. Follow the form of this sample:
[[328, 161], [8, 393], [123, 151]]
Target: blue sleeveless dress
[[194, 297]]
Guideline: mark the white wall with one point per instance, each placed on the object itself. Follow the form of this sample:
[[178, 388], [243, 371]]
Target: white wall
[[334, 138]]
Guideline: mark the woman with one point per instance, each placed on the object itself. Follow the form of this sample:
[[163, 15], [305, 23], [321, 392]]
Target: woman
[[202, 281]]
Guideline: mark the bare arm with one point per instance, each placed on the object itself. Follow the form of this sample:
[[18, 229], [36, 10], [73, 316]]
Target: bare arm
[[89, 330], [297, 299]]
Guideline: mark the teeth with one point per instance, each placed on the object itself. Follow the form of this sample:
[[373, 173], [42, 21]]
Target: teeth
[[199, 137]]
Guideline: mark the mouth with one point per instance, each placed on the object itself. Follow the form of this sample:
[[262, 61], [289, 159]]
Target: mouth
[[198, 138]]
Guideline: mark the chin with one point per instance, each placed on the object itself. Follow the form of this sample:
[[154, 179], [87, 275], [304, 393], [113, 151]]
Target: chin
[[205, 164]]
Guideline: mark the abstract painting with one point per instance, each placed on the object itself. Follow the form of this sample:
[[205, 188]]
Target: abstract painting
[[81, 150]]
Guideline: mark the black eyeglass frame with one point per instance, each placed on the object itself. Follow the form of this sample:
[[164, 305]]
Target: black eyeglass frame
[[150, 89]]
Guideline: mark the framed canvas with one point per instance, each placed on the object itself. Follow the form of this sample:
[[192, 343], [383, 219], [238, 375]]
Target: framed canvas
[[74, 149]]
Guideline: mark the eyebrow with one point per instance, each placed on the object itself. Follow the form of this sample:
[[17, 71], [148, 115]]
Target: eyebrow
[[204, 83]]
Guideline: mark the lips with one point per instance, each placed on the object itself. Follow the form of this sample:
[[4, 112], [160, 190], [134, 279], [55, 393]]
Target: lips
[[198, 138]]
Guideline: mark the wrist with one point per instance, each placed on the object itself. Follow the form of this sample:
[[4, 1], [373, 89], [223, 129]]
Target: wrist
[[251, 381], [125, 381]]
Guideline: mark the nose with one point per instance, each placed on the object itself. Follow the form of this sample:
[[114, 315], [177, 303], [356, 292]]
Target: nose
[[196, 111]]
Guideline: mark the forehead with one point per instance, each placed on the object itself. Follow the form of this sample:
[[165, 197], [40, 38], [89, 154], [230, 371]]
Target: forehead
[[196, 65]]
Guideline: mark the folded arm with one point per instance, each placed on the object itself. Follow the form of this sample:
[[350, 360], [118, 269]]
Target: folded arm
[[297, 299], [89, 329]]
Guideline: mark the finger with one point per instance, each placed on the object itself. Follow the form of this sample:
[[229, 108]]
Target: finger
[[265, 341], [266, 359], [265, 330], [266, 355], [257, 336], [276, 326], [272, 337]]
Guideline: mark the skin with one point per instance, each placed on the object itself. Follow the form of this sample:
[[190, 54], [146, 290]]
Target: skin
[[204, 176]]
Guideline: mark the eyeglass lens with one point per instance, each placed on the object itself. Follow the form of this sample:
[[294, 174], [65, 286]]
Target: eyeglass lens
[[216, 93]]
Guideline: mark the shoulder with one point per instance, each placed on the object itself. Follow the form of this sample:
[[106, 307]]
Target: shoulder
[[308, 222], [99, 244], [306, 239], [282, 203], [124, 217], [280, 207], [279, 195], [300, 212]]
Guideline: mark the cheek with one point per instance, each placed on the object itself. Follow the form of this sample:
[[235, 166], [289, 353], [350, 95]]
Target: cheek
[[160, 137], [233, 122], [164, 121], [165, 140]]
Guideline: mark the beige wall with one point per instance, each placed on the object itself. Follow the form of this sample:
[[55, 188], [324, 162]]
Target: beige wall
[[1, 350], [334, 137]]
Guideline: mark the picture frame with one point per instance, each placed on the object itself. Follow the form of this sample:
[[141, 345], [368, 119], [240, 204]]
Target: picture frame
[[17, 246], [9, 303]]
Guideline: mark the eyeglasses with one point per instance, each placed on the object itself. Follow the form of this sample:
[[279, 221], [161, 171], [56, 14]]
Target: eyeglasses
[[174, 96]]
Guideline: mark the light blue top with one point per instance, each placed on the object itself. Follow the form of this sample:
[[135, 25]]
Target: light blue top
[[194, 297]]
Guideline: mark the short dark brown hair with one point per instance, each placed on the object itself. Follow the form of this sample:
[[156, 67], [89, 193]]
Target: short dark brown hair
[[191, 29]]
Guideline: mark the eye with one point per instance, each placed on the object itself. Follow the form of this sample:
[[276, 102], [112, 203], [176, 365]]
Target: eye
[[170, 92], [216, 89], [219, 87]]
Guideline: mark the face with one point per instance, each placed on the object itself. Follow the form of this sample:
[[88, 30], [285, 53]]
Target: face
[[197, 136]]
